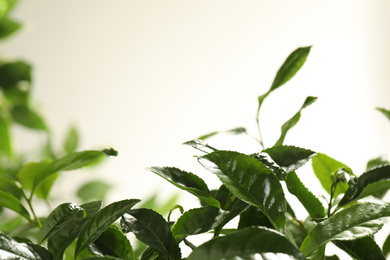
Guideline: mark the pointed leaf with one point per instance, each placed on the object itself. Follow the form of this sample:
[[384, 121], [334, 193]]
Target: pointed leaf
[[101, 221], [58, 218], [64, 237], [151, 228], [11, 249], [361, 249], [197, 221], [369, 183], [244, 244], [323, 167], [201, 146], [235, 131], [290, 158], [386, 246], [8, 27], [311, 203], [249, 180], [384, 112], [356, 221], [379, 161], [28, 118], [294, 120], [114, 243], [9, 186], [71, 141], [12, 203], [186, 181]]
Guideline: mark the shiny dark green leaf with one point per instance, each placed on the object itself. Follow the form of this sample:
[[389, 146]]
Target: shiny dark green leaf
[[201, 146], [293, 121], [14, 204], [58, 218], [186, 181], [249, 180], [5, 137], [101, 221], [8, 27], [386, 246], [112, 242], [71, 140], [384, 112], [369, 183], [197, 221], [361, 249], [289, 158], [93, 190], [311, 203], [14, 73], [110, 152], [244, 244], [356, 221], [295, 230], [64, 237], [28, 118], [253, 216], [11, 250], [150, 253], [323, 167], [151, 228]]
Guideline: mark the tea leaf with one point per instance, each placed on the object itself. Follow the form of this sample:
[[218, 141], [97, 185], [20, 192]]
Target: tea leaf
[[186, 181], [12, 203], [249, 180], [384, 112], [234, 131], [201, 146], [14, 73], [24, 116], [8, 27], [93, 190], [386, 246], [244, 244], [294, 120], [323, 167], [361, 249], [71, 140], [101, 221], [151, 228], [356, 221], [369, 183]]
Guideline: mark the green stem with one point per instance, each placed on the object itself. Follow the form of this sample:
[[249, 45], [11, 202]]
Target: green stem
[[37, 221], [332, 190], [259, 130]]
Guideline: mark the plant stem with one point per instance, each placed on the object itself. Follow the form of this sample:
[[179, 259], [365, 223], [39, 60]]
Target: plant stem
[[37, 221], [332, 190], [259, 130]]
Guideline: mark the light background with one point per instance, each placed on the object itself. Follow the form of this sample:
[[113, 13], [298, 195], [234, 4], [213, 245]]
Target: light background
[[146, 76]]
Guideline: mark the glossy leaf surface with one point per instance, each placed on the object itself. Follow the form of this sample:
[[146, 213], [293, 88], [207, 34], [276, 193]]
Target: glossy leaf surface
[[244, 244], [361, 249], [323, 167], [289, 158], [60, 240], [101, 221], [311, 203], [151, 228], [249, 180], [197, 221], [113, 242], [58, 218], [186, 181], [356, 221], [11, 249], [293, 121], [369, 183]]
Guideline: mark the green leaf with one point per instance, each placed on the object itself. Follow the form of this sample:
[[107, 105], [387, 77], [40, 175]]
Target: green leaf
[[197, 221], [384, 112], [234, 131], [8, 27], [244, 244], [253, 216], [289, 158], [113, 242], [28, 118], [9, 186], [151, 228], [294, 120], [12, 203], [379, 161], [323, 167], [295, 230], [58, 218], [369, 183], [11, 224], [311, 203], [201, 146], [249, 180], [71, 141], [77, 160], [101, 258], [14, 73], [186, 181], [93, 190], [5, 137], [11, 249], [386, 246], [101, 221], [64, 237], [361, 249], [356, 221]]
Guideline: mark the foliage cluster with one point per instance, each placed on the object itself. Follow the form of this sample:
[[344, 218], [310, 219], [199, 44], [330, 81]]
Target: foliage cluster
[[253, 190]]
